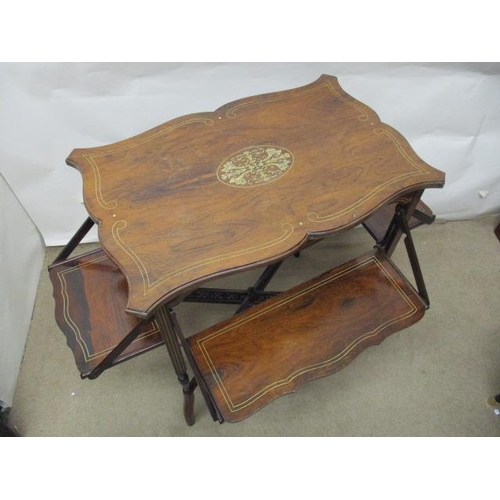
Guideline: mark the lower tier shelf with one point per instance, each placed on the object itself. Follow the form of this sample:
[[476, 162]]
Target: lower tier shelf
[[90, 294], [308, 332]]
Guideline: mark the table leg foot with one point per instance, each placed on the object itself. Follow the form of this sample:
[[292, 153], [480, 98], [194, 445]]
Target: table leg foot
[[188, 390], [494, 400], [166, 320]]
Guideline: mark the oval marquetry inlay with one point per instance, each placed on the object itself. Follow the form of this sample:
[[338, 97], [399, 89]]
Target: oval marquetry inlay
[[255, 165]]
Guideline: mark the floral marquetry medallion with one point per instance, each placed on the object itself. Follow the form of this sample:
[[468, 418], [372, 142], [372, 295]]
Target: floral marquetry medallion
[[255, 165]]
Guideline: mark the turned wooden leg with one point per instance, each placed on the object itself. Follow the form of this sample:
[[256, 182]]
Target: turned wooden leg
[[167, 328]]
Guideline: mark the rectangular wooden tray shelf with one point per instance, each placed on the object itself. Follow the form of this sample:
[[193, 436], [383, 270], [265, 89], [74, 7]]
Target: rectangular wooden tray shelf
[[90, 296], [310, 331]]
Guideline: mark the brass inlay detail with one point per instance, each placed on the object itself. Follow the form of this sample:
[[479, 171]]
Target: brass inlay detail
[[95, 169], [234, 407], [419, 170], [87, 355], [363, 116], [149, 285], [265, 163], [255, 165], [97, 185], [231, 113]]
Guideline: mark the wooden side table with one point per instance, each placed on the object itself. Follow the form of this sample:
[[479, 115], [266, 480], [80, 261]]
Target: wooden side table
[[246, 186]]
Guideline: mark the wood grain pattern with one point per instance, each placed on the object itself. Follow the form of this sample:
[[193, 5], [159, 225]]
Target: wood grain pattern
[[90, 295], [251, 359], [214, 193]]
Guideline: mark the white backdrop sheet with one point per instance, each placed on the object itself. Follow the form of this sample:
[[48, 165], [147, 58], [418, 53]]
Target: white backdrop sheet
[[21, 259], [449, 112]]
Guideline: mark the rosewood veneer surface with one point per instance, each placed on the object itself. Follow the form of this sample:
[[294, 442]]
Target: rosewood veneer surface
[[250, 183], [90, 295], [308, 332]]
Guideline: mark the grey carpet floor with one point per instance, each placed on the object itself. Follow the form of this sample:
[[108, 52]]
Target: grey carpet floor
[[432, 379]]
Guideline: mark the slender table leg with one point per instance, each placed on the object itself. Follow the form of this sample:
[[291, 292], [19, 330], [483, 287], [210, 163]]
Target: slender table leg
[[75, 240], [393, 240], [167, 330]]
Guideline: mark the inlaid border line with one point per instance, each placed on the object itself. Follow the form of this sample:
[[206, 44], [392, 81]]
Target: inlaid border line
[[77, 333], [236, 407]]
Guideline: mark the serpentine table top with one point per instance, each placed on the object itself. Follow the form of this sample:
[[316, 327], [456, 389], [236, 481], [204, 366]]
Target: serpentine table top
[[251, 183]]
